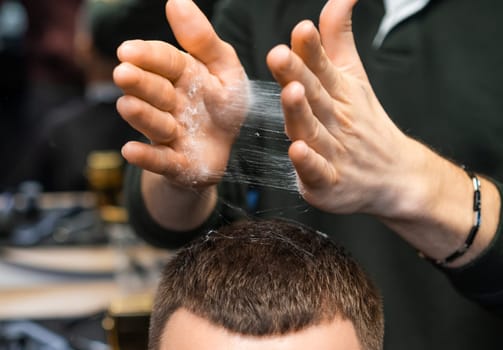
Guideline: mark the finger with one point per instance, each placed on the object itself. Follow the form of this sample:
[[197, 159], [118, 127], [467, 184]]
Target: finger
[[155, 158], [145, 85], [337, 36], [158, 126], [287, 67], [154, 56], [301, 124], [313, 170], [195, 34], [306, 43]]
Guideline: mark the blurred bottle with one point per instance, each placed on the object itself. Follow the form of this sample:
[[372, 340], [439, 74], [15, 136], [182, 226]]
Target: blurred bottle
[[105, 176]]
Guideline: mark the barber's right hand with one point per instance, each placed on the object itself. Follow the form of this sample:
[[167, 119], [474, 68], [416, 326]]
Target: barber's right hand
[[190, 105], [348, 154]]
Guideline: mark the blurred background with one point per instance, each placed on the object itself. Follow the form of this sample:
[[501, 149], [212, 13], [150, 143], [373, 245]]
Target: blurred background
[[72, 273]]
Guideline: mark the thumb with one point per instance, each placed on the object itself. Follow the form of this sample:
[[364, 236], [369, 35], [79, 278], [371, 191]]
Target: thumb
[[337, 36], [196, 35]]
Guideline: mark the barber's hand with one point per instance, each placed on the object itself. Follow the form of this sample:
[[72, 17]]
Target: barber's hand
[[348, 154], [189, 105]]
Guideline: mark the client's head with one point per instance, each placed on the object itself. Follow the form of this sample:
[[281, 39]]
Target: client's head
[[265, 285]]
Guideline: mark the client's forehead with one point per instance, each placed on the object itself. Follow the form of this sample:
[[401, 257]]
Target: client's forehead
[[186, 331]]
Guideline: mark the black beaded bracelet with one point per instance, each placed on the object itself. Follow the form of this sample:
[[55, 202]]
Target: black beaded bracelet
[[476, 221]]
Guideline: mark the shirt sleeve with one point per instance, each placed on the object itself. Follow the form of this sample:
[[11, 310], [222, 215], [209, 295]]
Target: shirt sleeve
[[150, 231]]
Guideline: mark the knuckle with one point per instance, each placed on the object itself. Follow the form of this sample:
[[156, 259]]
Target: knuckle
[[315, 93], [313, 133]]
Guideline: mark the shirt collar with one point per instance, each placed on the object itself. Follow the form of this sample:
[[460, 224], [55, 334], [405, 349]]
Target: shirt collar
[[396, 11]]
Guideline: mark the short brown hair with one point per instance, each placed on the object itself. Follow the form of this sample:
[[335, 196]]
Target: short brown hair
[[268, 277]]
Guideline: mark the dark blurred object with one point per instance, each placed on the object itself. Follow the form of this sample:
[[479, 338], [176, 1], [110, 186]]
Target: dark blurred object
[[37, 71], [112, 22], [127, 322], [22, 207], [66, 334], [13, 26], [53, 76], [49, 40], [30, 193], [29, 335], [71, 226], [30, 217]]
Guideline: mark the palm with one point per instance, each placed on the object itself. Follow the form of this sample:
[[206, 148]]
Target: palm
[[207, 122], [180, 101]]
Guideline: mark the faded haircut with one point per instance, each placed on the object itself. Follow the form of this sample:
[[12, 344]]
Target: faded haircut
[[268, 277]]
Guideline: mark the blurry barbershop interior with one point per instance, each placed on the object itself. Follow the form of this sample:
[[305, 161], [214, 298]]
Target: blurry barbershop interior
[[72, 273]]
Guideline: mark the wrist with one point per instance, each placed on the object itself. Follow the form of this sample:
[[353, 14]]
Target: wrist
[[489, 221], [432, 203], [432, 207], [408, 188], [175, 207], [459, 253]]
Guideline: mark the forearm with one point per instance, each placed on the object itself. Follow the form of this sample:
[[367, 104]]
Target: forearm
[[175, 208], [434, 211]]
